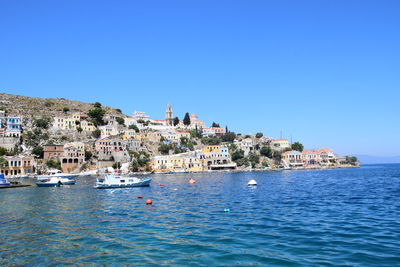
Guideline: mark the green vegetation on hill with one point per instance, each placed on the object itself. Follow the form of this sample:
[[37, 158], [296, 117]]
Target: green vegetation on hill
[[35, 107], [97, 115]]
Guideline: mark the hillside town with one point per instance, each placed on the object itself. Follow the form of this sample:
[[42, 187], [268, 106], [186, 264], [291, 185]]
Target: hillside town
[[77, 142]]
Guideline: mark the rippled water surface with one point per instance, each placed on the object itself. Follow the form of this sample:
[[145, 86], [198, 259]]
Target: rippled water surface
[[348, 217]]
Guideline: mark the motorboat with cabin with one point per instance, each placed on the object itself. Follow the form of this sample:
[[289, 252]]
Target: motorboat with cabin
[[56, 173]]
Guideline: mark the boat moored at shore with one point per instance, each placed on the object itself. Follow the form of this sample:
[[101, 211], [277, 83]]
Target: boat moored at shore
[[55, 181], [56, 173], [4, 183]]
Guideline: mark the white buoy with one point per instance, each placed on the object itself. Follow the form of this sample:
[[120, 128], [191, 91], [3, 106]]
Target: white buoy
[[252, 182]]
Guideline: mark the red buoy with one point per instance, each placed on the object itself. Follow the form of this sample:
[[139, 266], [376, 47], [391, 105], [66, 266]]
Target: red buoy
[[139, 196], [149, 202], [162, 184]]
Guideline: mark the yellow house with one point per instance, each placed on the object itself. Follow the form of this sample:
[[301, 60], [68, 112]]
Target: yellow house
[[18, 165], [280, 144], [64, 123], [87, 126], [70, 123], [193, 164], [171, 136], [293, 158], [176, 163], [210, 148], [129, 134], [163, 163]]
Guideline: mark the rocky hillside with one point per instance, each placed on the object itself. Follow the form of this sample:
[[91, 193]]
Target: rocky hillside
[[39, 107]]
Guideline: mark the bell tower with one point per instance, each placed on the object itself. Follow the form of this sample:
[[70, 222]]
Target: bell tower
[[168, 116]]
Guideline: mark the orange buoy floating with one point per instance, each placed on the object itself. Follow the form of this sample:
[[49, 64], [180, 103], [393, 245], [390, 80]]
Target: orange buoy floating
[[139, 196], [192, 181], [149, 202], [162, 184]]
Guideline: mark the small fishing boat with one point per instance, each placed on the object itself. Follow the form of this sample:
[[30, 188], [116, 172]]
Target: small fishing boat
[[67, 181], [55, 182], [49, 182], [115, 181]]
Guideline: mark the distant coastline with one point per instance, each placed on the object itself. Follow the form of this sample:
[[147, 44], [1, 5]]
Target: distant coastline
[[368, 159]]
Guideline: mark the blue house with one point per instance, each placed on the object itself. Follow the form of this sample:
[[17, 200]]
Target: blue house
[[14, 123]]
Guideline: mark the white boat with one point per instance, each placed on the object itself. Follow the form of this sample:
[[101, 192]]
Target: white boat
[[115, 181], [56, 173], [67, 181], [55, 182]]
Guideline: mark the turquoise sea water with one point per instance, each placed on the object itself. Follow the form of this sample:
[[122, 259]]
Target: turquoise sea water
[[344, 217]]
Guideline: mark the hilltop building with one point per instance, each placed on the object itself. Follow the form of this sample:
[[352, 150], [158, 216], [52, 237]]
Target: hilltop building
[[195, 122], [139, 115], [213, 131]]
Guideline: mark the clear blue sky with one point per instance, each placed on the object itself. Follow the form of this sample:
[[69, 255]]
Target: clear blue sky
[[326, 73]]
